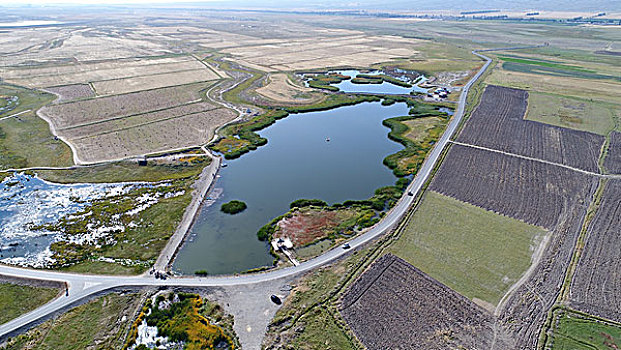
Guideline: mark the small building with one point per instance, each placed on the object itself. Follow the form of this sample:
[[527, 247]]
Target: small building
[[281, 244]]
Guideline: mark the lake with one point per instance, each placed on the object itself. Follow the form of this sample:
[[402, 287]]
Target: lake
[[298, 162]]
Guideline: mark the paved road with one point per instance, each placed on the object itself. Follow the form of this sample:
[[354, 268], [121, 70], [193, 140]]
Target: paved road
[[82, 286]]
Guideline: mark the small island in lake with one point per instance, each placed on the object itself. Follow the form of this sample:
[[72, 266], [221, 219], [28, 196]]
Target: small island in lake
[[233, 207]]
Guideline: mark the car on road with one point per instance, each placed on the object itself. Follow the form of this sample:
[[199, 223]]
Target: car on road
[[275, 299], [346, 246]]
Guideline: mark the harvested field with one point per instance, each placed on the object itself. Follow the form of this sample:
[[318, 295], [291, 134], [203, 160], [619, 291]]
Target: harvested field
[[68, 93], [498, 123], [83, 112], [597, 280], [180, 132], [111, 125], [393, 305], [42, 76], [307, 225], [311, 53], [148, 82], [281, 89], [531, 191], [612, 162]]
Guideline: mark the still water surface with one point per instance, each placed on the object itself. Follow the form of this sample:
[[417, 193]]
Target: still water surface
[[298, 162]]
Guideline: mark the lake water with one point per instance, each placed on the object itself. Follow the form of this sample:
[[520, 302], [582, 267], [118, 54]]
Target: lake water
[[383, 88], [296, 163]]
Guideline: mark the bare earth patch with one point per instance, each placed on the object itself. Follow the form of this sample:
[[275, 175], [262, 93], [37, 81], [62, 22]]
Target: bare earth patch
[[307, 225], [281, 89]]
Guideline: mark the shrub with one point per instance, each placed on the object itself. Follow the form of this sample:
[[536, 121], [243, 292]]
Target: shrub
[[233, 207], [300, 203]]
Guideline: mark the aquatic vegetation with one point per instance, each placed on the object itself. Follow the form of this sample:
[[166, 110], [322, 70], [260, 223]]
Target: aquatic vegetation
[[52, 225], [181, 319]]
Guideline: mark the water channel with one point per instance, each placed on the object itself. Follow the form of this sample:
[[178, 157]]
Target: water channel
[[383, 88], [298, 162]]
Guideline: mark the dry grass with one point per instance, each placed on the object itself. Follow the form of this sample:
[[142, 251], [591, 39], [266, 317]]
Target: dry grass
[[281, 89], [147, 82], [55, 75], [600, 90], [419, 127], [180, 132], [318, 52]]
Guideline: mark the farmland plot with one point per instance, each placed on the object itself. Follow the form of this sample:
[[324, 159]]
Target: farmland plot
[[166, 134], [68, 93], [98, 71], [393, 305], [83, 112], [524, 312], [597, 281], [612, 162], [147, 82], [117, 124], [498, 123], [531, 191]]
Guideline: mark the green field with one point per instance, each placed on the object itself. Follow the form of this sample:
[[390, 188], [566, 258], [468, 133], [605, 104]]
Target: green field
[[475, 252], [125, 171], [99, 324], [581, 114], [577, 331], [16, 300], [26, 140]]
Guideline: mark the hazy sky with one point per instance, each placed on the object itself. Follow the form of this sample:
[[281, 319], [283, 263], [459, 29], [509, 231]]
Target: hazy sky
[[549, 5]]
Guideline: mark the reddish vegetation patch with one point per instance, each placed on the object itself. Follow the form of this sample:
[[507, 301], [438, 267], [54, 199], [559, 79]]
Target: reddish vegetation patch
[[307, 225]]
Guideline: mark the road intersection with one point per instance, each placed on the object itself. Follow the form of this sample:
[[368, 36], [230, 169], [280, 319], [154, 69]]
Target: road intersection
[[82, 286]]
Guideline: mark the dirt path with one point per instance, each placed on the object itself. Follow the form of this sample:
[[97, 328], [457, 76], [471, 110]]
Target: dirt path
[[611, 176], [201, 187]]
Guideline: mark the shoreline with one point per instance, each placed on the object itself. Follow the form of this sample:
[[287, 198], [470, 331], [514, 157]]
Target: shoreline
[[202, 186]]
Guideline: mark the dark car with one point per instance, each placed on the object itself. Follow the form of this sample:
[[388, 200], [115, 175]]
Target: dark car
[[275, 299], [346, 246]]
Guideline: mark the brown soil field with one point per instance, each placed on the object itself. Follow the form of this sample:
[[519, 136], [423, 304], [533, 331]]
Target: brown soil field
[[180, 132], [612, 162], [498, 123], [531, 191], [597, 280], [281, 89], [541, 194], [308, 225], [148, 82], [83, 112], [523, 313], [72, 92], [394, 305]]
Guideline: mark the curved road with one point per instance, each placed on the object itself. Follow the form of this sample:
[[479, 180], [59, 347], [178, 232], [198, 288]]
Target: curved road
[[82, 286]]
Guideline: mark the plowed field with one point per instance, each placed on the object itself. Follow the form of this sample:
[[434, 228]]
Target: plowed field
[[498, 123], [394, 305], [597, 281]]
